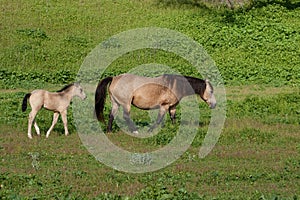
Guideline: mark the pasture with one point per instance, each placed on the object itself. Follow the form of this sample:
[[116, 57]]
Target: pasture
[[256, 50]]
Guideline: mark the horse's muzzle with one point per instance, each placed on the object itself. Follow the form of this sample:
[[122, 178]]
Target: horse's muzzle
[[213, 105]]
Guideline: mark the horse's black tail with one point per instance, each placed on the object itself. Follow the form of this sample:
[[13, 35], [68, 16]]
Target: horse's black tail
[[100, 97], [24, 104]]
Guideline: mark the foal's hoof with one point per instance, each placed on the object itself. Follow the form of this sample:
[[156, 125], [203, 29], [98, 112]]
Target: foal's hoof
[[135, 132]]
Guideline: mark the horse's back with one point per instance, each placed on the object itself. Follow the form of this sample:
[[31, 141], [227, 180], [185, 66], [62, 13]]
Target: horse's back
[[130, 82], [123, 86], [134, 79]]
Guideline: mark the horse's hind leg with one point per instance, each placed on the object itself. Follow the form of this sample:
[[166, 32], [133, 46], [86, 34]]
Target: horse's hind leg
[[55, 118], [126, 116], [112, 115]]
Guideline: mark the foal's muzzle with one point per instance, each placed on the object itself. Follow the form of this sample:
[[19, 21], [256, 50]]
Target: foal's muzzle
[[83, 97]]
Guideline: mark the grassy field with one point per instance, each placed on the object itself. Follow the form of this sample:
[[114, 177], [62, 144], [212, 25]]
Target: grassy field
[[256, 50]]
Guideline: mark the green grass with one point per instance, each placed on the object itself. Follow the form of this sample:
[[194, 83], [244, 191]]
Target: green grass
[[256, 50]]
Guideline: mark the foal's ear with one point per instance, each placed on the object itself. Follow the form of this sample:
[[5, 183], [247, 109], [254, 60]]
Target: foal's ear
[[77, 83]]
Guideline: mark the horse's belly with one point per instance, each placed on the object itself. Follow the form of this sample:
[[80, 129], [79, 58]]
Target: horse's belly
[[152, 96], [151, 101], [144, 104]]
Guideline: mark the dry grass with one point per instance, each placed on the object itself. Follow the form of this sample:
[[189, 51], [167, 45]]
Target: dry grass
[[237, 93]]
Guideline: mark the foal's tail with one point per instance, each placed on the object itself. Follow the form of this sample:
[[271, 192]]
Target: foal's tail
[[24, 104], [100, 97]]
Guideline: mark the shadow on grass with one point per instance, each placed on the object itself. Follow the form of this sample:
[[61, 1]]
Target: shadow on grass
[[231, 4]]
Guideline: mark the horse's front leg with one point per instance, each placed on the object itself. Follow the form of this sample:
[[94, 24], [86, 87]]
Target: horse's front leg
[[172, 112], [55, 118], [160, 117]]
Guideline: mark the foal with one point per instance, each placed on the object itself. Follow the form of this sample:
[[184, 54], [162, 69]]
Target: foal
[[58, 102]]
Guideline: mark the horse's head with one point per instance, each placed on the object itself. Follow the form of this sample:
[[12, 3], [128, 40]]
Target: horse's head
[[208, 95], [78, 91]]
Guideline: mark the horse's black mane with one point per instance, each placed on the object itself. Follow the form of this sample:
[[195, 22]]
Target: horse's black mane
[[194, 82], [66, 87]]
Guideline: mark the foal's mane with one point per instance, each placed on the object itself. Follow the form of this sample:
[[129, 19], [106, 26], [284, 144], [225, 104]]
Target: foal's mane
[[66, 87]]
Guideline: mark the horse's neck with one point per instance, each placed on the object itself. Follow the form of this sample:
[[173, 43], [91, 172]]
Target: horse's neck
[[193, 86]]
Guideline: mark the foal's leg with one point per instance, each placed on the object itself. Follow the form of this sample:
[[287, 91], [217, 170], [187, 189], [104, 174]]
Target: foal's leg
[[31, 118], [126, 116], [55, 118], [37, 129], [65, 121]]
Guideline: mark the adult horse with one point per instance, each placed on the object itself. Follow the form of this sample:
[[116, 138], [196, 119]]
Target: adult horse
[[58, 102], [163, 93]]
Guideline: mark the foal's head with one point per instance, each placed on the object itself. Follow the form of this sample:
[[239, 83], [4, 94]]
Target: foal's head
[[208, 95], [78, 91]]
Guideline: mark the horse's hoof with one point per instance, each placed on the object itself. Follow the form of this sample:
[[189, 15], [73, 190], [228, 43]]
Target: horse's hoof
[[150, 130], [135, 132]]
